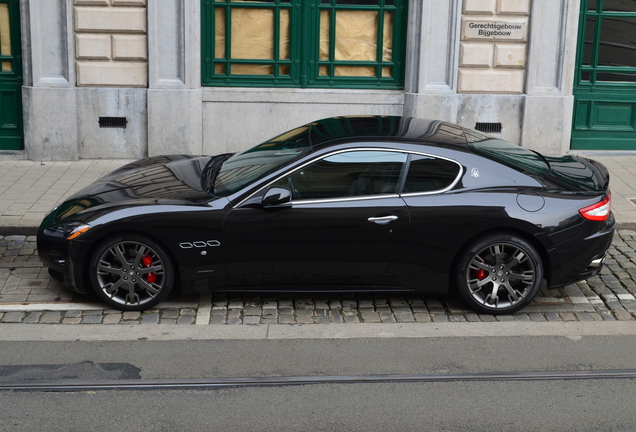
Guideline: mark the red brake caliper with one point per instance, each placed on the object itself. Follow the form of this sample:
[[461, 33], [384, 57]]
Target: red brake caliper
[[150, 277], [481, 274]]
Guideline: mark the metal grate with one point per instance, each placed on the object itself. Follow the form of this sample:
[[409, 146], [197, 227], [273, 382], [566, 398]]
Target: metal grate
[[112, 122], [488, 127]]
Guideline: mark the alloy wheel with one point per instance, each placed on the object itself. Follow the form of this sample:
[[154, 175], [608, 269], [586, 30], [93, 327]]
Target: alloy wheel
[[130, 273], [500, 276]]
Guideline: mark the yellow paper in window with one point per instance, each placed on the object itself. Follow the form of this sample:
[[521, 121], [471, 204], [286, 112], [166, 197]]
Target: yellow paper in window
[[5, 31], [252, 33], [283, 46], [219, 33], [252, 69], [356, 35], [365, 71], [387, 43], [324, 35]]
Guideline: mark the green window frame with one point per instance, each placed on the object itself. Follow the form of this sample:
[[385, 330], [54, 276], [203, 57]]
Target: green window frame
[[304, 43]]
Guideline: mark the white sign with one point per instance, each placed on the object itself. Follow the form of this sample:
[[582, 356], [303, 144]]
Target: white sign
[[495, 30]]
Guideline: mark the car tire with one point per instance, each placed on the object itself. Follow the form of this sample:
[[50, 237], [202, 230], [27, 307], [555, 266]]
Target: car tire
[[131, 272], [499, 274]]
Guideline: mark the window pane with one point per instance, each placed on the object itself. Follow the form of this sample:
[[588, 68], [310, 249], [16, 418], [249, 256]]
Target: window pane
[[619, 6], [7, 66], [354, 2], [591, 5], [354, 71], [219, 33], [283, 70], [615, 77], [618, 45], [257, 162], [358, 2], [356, 35], [387, 37], [589, 41], [324, 35], [350, 174], [219, 69], [283, 50], [386, 71], [323, 70], [427, 174], [5, 31], [252, 34], [252, 69], [585, 76]]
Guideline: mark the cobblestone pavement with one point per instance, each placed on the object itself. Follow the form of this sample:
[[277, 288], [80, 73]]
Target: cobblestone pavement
[[29, 295]]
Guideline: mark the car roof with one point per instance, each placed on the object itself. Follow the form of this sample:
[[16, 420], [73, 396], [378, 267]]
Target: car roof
[[353, 128]]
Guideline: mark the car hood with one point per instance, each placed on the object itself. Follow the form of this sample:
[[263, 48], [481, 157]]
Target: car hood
[[172, 180]]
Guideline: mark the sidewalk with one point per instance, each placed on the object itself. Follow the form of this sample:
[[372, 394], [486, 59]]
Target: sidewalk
[[28, 189]]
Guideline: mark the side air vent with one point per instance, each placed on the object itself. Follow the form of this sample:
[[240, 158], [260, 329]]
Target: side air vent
[[112, 122], [488, 127]]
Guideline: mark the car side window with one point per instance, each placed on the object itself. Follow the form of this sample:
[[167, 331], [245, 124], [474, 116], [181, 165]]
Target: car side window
[[428, 174], [347, 174]]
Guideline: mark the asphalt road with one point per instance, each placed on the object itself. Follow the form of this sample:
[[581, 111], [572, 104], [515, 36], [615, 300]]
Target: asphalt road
[[494, 406], [559, 405]]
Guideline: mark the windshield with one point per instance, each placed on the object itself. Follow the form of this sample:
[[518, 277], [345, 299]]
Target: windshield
[[507, 153], [253, 164]]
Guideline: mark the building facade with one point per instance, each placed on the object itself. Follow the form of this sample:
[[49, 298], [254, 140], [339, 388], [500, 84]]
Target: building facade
[[135, 78]]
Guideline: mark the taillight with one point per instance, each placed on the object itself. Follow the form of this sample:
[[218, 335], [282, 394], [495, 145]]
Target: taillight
[[599, 211]]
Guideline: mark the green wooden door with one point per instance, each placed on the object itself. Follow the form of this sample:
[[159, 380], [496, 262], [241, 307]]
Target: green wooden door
[[605, 80], [11, 134]]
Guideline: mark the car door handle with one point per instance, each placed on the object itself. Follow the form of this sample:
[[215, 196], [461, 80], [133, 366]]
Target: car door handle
[[382, 220]]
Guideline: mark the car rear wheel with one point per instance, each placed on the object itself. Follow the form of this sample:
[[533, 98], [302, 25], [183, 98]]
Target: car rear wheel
[[131, 272], [499, 274]]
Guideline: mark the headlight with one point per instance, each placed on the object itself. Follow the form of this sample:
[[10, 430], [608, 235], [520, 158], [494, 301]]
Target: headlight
[[69, 231], [78, 231]]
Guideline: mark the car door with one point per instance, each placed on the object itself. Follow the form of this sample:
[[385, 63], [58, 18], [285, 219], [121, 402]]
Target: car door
[[438, 222], [343, 226]]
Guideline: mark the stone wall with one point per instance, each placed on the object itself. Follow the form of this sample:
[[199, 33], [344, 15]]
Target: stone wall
[[141, 59], [492, 54], [111, 43]]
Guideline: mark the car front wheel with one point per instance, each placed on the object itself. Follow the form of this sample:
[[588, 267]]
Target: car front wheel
[[131, 272], [499, 274]]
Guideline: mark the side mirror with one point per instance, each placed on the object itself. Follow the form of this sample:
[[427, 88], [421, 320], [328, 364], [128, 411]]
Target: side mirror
[[276, 196]]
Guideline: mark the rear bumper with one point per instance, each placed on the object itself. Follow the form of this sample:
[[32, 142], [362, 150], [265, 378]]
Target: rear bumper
[[585, 260]]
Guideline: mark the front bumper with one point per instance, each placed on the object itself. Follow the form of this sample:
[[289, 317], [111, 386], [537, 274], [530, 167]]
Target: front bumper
[[65, 259]]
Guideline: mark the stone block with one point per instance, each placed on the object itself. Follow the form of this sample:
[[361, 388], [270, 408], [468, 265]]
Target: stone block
[[52, 132], [128, 2], [271, 111], [476, 55], [130, 47], [91, 2], [491, 81], [92, 46], [510, 55], [124, 74], [97, 19], [486, 7], [513, 7], [101, 143]]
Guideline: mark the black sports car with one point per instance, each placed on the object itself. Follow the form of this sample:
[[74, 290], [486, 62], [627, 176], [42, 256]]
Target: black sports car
[[368, 203]]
